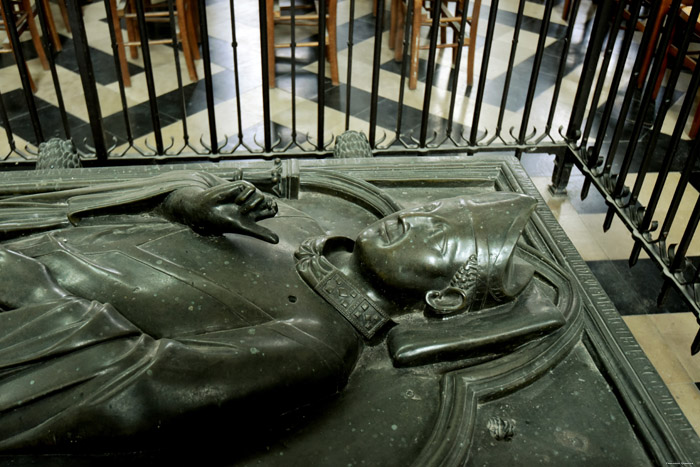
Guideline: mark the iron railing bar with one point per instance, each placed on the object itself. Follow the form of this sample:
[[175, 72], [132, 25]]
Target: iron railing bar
[[376, 64], [486, 57], [673, 207], [682, 249], [408, 27], [236, 78], [646, 101], [208, 81], [430, 74], [668, 159], [665, 168], [629, 94], [11, 29], [590, 65], [666, 102], [511, 63], [562, 64], [602, 74], [265, 65], [178, 71], [87, 78], [112, 20], [294, 71], [150, 80], [348, 81], [653, 248], [321, 116], [393, 151], [532, 87], [48, 46], [6, 123], [594, 153], [458, 62]]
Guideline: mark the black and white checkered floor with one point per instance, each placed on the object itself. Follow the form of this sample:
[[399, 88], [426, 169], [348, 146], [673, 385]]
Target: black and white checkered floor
[[664, 333]]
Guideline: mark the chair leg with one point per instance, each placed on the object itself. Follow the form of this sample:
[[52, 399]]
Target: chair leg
[[271, 42], [443, 30], [415, 44], [36, 38], [132, 30], [565, 11], [184, 37], [32, 84], [121, 49], [660, 77], [393, 24], [64, 14], [332, 46], [400, 24], [696, 124], [52, 25], [193, 28], [472, 41], [663, 10]]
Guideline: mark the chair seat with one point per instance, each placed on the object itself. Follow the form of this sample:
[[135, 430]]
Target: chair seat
[[186, 14]]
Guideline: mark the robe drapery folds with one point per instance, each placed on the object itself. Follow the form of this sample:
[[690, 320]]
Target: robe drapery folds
[[56, 209], [82, 368]]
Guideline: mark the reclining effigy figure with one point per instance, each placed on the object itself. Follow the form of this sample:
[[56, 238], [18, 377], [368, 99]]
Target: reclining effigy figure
[[131, 307]]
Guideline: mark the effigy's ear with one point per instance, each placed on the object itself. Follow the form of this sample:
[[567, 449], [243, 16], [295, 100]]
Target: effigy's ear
[[448, 301]]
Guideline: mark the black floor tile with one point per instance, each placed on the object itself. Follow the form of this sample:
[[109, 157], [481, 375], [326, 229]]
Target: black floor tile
[[306, 84], [529, 23], [634, 290], [102, 64], [140, 122], [520, 81], [336, 99], [15, 103], [50, 121], [537, 164], [28, 50], [442, 73], [363, 29], [194, 96]]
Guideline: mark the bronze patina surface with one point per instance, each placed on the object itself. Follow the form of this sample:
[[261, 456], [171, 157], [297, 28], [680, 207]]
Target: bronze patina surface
[[395, 311]]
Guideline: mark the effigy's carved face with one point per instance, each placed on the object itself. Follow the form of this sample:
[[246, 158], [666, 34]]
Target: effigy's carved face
[[418, 249]]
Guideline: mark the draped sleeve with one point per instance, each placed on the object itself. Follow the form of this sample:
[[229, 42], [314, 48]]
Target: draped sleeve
[[57, 209]]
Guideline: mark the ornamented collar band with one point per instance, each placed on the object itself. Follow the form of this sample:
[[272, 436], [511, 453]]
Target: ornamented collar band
[[345, 295]]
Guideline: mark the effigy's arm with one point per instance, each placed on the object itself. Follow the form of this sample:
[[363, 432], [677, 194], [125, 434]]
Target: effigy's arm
[[57, 209], [204, 202]]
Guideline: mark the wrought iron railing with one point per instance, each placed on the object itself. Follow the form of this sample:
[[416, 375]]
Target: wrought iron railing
[[456, 133], [609, 170]]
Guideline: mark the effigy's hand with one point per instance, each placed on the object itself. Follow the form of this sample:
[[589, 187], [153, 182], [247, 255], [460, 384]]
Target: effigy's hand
[[228, 208], [25, 281]]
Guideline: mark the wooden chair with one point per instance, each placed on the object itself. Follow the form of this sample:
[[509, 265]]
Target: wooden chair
[[275, 16], [688, 62], [22, 15], [187, 17], [664, 7], [449, 19]]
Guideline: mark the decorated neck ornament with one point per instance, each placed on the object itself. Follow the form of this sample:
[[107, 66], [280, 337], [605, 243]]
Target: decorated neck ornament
[[350, 298]]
